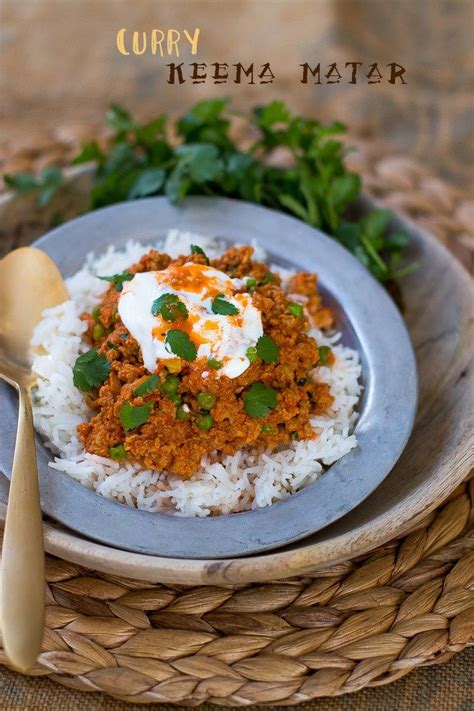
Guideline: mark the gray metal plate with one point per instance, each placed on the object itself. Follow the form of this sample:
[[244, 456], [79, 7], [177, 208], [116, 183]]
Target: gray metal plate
[[369, 322]]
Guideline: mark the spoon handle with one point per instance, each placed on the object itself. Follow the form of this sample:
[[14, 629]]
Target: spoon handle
[[23, 549]]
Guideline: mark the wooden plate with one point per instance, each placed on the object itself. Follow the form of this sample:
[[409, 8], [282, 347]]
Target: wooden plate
[[438, 301]]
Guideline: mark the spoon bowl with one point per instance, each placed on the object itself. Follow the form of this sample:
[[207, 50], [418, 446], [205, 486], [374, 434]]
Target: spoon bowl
[[29, 283]]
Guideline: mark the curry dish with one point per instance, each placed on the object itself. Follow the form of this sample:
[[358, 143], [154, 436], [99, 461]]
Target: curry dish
[[166, 414]]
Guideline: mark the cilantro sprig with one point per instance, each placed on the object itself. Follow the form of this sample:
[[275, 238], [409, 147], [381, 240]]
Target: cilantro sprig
[[118, 279], [316, 186], [46, 183], [90, 370]]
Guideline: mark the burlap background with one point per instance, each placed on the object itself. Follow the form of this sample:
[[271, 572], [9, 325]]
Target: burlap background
[[442, 688], [59, 65]]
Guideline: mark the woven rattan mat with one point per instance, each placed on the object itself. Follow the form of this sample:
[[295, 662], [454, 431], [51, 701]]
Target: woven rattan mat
[[363, 623]]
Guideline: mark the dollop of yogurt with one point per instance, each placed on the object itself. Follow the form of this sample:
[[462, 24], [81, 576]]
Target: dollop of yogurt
[[225, 338]]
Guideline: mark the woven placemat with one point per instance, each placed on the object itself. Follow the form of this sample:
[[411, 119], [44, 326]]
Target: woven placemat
[[362, 623]]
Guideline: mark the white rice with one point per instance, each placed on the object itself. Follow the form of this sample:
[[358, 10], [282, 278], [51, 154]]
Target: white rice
[[225, 484]]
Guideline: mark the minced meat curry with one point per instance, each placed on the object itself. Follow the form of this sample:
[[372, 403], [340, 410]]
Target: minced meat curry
[[169, 418]]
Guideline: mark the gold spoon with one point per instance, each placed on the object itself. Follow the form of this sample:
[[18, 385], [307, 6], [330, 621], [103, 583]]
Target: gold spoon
[[29, 283]]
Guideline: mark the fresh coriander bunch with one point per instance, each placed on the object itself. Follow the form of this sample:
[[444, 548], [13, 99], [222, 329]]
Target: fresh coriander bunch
[[315, 186]]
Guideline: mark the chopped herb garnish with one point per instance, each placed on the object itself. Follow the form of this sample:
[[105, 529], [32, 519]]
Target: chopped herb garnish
[[267, 349], [170, 307], [179, 343], [259, 400], [251, 354], [148, 386], [222, 307], [267, 279], [132, 417], [118, 452], [90, 370], [296, 310], [214, 364], [196, 249], [118, 279], [324, 353], [268, 429]]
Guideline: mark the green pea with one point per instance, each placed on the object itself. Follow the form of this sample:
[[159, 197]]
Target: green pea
[[204, 422], [177, 399], [251, 284], [98, 332], [182, 413], [252, 354], [296, 310], [171, 385], [118, 452], [206, 400], [96, 313]]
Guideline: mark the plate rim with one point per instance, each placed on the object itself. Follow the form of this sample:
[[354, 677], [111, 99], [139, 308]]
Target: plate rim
[[212, 524]]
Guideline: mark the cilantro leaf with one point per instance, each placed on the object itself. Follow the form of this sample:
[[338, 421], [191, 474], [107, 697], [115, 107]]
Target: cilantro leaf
[[148, 182], [179, 343], [170, 307], [267, 349], [46, 184], [148, 386], [259, 400], [200, 160], [21, 182], [196, 249], [118, 452], [132, 417], [214, 364], [272, 113], [119, 118], [222, 307], [118, 279], [89, 152], [90, 370]]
